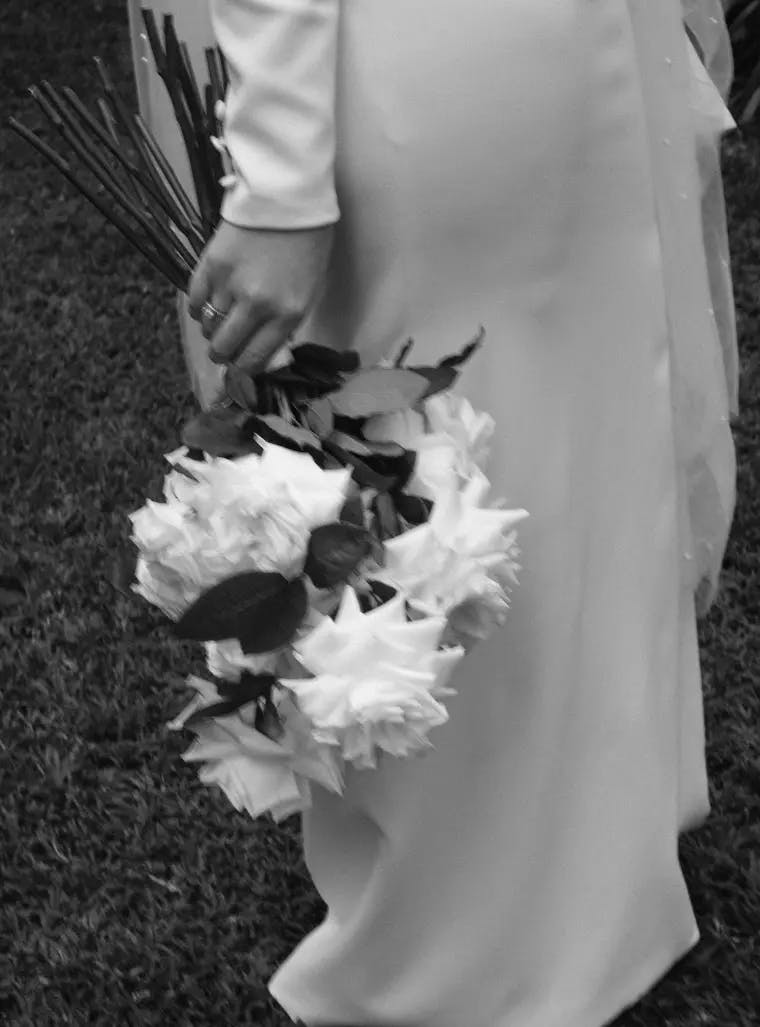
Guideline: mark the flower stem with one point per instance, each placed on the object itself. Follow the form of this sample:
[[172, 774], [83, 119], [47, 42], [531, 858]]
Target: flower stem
[[167, 269], [170, 248], [188, 220]]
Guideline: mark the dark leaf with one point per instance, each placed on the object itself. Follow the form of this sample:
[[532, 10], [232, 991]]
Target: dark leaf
[[310, 353], [273, 428], [241, 388], [319, 416], [393, 450], [397, 468], [457, 359], [378, 390], [286, 376], [218, 435], [380, 589], [268, 722], [378, 595], [217, 709], [183, 471], [249, 688], [260, 608], [362, 473], [350, 425], [335, 551], [353, 511], [439, 378], [331, 463], [365, 448], [303, 381], [414, 509], [267, 394], [378, 550], [316, 376], [387, 518]]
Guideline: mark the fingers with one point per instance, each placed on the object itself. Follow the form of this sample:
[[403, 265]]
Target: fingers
[[199, 291], [214, 312], [251, 292], [237, 329], [270, 337]]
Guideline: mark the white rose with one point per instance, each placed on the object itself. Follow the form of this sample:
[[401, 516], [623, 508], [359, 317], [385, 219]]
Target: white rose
[[223, 517], [257, 482], [255, 773], [378, 680], [477, 616], [270, 539], [470, 429], [164, 588], [157, 526], [318, 495], [437, 467], [465, 551], [450, 438]]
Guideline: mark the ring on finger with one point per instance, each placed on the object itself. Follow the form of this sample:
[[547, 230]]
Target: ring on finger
[[211, 316]]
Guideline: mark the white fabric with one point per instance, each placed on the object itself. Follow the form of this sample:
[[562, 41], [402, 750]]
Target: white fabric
[[710, 462], [280, 125], [532, 166]]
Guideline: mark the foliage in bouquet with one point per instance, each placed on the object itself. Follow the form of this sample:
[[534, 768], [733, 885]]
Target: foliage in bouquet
[[327, 534]]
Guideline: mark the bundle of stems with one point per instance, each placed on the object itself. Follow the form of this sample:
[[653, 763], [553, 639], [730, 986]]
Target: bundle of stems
[[116, 163]]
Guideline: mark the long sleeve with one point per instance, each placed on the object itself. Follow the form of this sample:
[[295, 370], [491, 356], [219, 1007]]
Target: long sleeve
[[280, 119]]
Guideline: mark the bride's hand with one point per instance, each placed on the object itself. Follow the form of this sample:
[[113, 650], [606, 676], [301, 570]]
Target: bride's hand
[[263, 281]]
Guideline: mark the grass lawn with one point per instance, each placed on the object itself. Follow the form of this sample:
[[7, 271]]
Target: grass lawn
[[130, 894]]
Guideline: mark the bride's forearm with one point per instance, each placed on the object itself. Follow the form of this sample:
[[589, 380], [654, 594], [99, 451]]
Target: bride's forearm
[[279, 125]]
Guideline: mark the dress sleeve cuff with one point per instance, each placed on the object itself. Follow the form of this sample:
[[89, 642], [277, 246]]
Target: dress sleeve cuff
[[244, 207]]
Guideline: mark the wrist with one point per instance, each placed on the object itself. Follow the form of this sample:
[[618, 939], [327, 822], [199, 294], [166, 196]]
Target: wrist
[[243, 209]]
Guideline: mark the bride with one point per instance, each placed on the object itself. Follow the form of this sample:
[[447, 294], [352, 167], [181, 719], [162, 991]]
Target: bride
[[548, 168]]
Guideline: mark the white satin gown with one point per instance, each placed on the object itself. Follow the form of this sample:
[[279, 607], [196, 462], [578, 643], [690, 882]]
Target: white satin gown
[[528, 165]]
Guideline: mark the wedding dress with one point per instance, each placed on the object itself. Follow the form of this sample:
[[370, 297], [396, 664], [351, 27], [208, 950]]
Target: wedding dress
[[540, 167]]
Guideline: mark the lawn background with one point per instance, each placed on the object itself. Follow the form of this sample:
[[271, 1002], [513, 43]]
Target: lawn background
[[129, 894]]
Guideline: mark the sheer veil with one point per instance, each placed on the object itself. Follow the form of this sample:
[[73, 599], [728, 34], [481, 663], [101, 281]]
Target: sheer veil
[[685, 71], [704, 351], [706, 24], [712, 472]]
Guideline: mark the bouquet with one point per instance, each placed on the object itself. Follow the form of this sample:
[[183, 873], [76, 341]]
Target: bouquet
[[328, 536], [326, 531]]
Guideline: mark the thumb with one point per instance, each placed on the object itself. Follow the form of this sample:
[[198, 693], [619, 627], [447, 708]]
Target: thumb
[[199, 290]]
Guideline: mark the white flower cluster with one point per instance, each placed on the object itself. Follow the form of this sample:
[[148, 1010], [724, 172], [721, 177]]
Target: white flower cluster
[[377, 680], [360, 682], [460, 563], [222, 517]]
